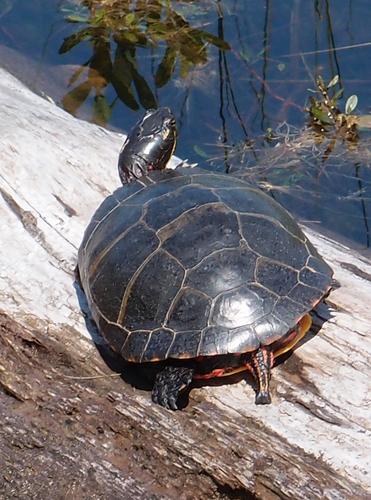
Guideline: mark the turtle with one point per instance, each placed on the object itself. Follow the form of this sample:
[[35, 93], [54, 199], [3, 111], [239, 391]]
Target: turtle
[[196, 270]]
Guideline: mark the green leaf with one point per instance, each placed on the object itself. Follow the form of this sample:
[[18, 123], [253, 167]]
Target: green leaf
[[76, 74], [351, 104], [146, 97], [194, 50], [159, 30], [130, 18], [75, 18], [100, 17], [185, 66], [333, 82], [100, 61], [321, 116], [122, 78], [130, 37], [102, 111], [72, 40], [166, 67], [218, 42], [125, 38], [76, 97], [129, 69]]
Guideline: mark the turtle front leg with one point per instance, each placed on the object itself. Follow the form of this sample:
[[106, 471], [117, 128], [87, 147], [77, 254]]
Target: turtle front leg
[[261, 364], [169, 383]]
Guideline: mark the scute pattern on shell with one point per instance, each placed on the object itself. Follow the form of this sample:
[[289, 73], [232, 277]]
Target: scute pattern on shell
[[196, 263]]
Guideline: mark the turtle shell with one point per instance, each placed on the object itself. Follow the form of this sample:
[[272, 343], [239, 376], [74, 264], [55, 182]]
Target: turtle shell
[[196, 264]]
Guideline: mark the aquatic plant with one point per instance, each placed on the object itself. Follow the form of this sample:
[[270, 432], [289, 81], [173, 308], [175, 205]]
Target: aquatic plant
[[116, 31]]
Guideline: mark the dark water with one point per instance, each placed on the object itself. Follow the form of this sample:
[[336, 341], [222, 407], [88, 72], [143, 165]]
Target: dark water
[[230, 70]]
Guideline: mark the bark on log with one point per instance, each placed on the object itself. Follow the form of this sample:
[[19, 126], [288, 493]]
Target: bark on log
[[71, 428]]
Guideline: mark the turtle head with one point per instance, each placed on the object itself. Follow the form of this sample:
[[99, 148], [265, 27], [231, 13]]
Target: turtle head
[[149, 145]]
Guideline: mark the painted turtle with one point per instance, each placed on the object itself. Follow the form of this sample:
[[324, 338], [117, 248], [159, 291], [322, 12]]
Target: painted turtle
[[196, 268]]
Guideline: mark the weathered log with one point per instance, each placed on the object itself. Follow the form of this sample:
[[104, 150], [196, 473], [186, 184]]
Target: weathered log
[[70, 426]]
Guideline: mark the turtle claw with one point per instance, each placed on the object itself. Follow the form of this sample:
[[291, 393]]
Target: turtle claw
[[171, 403], [263, 398], [169, 383]]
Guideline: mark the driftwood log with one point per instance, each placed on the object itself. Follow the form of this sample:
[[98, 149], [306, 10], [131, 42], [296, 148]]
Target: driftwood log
[[71, 427]]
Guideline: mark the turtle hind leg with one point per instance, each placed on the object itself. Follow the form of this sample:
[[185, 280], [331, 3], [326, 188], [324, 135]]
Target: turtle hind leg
[[169, 383], [261, 364]]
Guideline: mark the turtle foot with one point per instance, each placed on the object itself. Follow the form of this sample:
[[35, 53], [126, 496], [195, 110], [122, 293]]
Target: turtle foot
[[169, 383], [262, 362], [263, 398]]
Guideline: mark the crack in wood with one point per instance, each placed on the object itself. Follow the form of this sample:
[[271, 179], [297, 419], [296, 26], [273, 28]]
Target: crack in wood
[[355, 270]]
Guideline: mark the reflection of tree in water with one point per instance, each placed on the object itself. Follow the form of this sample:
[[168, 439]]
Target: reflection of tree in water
[[116, 30]]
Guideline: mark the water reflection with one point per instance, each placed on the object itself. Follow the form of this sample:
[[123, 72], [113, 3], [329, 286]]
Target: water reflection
[[231, 71], [115, 31], [329, 191]]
